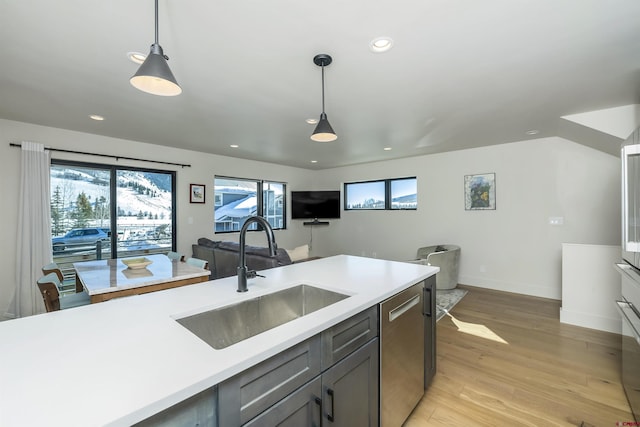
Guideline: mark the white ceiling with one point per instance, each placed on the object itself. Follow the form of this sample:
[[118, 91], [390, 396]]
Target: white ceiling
[[461, 74]]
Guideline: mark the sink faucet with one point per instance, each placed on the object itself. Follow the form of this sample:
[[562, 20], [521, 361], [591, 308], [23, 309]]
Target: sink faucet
[[243, 273]]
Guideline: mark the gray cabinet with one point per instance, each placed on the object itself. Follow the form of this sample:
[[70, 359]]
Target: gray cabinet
[[350, 389], [251, 392], [429, 330], [349, 335], [333, 375], [301, 408], [330, 379], [198, 410]]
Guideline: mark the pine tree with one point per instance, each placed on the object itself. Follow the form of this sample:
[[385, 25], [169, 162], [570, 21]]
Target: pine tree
[[56, 212], [83, 211]]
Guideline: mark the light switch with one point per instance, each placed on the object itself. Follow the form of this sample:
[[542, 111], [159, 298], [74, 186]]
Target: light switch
[[190, 220]]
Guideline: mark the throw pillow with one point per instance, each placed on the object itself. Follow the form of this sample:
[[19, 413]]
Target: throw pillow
[[299, 253]]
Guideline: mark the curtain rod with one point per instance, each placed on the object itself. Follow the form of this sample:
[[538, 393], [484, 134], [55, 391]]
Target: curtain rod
[[107, 155]]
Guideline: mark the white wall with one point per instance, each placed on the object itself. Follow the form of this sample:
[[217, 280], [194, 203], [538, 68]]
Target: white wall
[[512, 248], [193, 220], [590, 285]]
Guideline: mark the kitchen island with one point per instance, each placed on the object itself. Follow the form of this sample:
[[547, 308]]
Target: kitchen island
[[124, 360]]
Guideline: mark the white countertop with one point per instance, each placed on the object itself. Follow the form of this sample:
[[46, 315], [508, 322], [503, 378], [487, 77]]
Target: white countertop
[[121, 361]]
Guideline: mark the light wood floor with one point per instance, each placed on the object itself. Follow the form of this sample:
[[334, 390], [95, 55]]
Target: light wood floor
[[506, 360]]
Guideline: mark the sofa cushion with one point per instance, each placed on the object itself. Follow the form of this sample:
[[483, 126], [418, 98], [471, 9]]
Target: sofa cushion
[[299, 253], [227, 257], [208, 243]]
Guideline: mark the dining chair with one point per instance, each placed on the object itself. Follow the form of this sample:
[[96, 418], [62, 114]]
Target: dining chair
[[175, 256], [53, 301], [65, 283], [198, 262]]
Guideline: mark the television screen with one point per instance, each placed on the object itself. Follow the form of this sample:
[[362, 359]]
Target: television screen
[[315, 204]]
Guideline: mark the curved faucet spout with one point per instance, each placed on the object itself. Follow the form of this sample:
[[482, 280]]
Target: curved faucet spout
[[243, 273]]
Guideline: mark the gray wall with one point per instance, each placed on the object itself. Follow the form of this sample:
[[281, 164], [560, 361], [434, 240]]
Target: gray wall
[[512, 248]]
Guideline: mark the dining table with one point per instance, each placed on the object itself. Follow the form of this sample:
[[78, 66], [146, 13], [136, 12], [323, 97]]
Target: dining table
[[113, 278]]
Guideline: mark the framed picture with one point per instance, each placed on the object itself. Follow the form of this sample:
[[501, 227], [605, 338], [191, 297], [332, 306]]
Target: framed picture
[[196, 193], [480, 192]]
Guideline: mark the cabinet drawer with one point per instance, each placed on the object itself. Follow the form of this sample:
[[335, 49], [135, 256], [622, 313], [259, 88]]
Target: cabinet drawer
[[301, 408], [347, 336], [251, 392]]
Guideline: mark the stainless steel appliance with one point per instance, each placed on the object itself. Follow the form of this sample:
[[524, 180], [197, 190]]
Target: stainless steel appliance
[[631, 199], [629, 306], [629, 309], [402, 338]]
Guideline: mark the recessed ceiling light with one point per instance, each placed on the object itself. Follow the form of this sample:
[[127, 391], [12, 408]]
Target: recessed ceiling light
[[312, 121], [532, 132], [136, 57], [380, 44], [314, 161], [96, 117], [234, 146], [387, 148]]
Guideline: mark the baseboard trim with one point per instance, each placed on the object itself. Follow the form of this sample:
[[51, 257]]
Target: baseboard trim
[[590, 321], [516, 288]]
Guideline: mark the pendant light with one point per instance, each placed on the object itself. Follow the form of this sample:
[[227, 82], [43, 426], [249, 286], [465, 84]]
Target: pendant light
[[324, 132], [154, 75]]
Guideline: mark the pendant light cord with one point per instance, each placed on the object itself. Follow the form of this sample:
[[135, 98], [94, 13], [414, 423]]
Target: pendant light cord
[[156, 21], [322, 88]]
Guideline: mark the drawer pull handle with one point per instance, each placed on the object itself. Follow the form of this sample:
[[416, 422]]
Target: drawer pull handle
[[319, 403], [330, 416]]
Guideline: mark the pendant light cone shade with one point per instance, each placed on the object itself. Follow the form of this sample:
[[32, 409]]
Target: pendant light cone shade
[[323, 132], [154, 75]]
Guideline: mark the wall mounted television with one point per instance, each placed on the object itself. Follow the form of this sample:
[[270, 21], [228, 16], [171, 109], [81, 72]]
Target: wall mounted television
[[315, 204]]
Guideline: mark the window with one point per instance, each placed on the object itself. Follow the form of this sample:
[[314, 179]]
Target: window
[[88, 201], [394, 194], [404, 193], [238, 200], [365, 195]]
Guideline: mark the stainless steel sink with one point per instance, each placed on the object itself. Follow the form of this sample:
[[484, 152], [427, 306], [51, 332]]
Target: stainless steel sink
[[231, 324]]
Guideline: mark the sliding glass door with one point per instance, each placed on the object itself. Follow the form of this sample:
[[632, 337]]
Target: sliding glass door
[[103, 211]]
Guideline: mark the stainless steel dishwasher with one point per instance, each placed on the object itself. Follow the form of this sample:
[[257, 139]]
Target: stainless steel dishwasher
[[402, 337]]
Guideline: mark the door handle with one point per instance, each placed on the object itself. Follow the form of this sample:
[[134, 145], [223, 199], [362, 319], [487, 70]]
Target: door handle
[[319, 403], [403, 308], [330, 416], [427, 302]]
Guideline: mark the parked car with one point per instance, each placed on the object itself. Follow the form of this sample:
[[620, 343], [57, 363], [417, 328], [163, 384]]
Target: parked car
[[80, 237]]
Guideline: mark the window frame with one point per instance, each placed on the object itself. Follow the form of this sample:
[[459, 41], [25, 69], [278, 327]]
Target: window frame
[[388, 204], [113, 189], [260, 192]]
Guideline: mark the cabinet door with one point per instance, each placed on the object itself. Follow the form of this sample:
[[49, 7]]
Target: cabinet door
[[350, 389], [301, 408]]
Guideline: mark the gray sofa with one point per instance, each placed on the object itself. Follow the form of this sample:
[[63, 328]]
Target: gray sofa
[[223, 257]]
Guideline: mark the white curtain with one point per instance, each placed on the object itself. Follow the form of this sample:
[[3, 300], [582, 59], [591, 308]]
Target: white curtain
[[33, 246]]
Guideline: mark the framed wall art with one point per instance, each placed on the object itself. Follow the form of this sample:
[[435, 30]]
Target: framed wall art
[[196, 193], [480, 192]]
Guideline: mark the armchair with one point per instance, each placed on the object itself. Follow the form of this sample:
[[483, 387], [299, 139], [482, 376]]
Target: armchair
[[447, 257]]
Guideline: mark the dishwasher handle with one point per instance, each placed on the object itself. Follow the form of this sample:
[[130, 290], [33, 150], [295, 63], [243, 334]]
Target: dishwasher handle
[[403, 308]]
